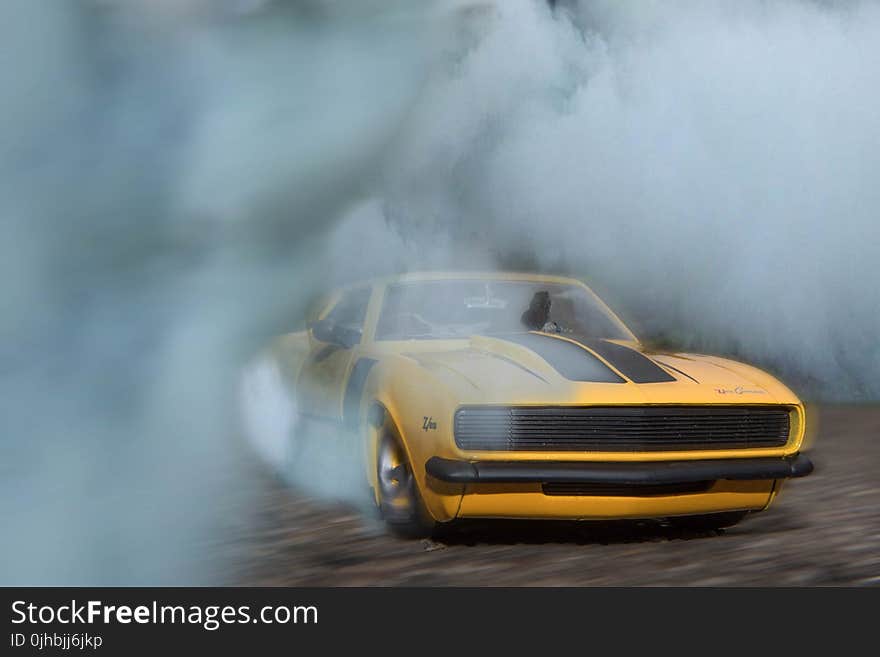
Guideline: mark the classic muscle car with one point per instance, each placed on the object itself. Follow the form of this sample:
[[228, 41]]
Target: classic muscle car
[[503, 395]]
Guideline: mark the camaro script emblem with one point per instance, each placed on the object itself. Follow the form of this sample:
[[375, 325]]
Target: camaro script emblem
[[739, 390]]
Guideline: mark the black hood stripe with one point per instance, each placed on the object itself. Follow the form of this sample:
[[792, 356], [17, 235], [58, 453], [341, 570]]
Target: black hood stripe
[[675, 369], [634, 365], [570, 360]]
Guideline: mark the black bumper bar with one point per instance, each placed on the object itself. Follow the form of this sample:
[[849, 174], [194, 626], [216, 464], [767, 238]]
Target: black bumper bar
[[625, 473]]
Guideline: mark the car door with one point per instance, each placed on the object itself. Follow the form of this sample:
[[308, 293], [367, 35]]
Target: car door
[[322, 379]]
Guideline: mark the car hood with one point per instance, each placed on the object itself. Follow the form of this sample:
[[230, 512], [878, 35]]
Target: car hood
[[544, 368]]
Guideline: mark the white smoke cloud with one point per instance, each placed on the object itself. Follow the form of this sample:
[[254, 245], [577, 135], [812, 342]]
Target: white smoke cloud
[[712, 165], [170, 173]]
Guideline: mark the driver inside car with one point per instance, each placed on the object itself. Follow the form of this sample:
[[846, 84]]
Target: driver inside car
[[537, 317]]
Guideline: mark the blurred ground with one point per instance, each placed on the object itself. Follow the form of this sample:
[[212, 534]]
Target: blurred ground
[[823, 530]]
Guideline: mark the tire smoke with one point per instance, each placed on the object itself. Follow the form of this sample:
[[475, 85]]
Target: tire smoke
[[711, 167]]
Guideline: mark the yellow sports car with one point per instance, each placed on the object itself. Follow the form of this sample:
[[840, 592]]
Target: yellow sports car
[[504, 395]]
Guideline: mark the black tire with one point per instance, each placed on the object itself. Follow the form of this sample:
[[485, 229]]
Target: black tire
[[397, 493], [709, 521]]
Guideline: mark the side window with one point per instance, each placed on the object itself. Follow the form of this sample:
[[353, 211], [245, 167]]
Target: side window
[[351, 310]]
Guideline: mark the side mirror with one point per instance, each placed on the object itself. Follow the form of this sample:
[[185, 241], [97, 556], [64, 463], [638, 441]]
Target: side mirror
[[322, 330], [326, 331]]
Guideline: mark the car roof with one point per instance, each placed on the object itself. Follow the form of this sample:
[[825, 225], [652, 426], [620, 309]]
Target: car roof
[[473, 275]]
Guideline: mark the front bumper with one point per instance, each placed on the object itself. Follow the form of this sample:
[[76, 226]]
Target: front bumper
[[623, 473]]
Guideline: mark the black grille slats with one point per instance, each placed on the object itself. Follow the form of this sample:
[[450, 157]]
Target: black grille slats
[[620, 428]]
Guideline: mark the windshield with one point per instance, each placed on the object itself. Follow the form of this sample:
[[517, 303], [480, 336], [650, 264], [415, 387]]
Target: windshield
[[461, 308]]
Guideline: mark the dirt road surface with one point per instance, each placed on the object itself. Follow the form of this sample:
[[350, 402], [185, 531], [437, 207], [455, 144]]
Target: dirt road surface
[[823, 530]]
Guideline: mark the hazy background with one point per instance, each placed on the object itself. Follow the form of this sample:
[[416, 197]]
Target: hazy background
[[180, 176]]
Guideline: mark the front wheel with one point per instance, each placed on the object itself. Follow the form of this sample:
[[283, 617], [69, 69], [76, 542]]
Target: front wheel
[[397, 494]]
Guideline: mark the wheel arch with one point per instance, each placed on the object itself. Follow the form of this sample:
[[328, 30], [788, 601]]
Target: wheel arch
[[385, 407]]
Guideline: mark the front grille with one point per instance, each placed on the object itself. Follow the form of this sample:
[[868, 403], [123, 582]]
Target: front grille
[[621, 490], [620, 428]]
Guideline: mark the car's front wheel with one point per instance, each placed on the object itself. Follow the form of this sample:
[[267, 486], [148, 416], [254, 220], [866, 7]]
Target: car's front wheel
[[397, 494]]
